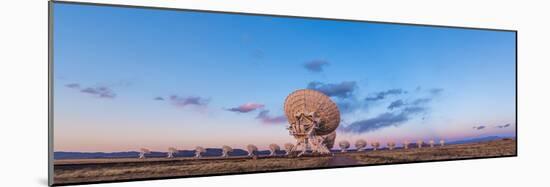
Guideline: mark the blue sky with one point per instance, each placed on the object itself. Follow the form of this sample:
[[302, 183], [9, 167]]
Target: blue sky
[[127, 78]]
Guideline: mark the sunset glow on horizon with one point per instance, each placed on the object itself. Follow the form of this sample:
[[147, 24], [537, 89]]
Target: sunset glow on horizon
[[129, 78]]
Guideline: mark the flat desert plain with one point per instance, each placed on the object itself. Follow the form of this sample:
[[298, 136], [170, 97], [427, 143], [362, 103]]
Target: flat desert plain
[[107, 170]]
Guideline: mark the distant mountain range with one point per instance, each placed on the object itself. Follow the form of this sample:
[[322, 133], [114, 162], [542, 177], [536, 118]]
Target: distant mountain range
[[480, 139], [210, 152]]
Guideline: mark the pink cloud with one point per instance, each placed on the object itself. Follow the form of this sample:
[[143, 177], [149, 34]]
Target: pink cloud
[[267, 119], [185, 101], [245, 108]]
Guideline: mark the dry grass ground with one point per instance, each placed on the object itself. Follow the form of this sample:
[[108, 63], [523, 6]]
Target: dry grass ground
[[461, 151], [85, 171], [103, 170]]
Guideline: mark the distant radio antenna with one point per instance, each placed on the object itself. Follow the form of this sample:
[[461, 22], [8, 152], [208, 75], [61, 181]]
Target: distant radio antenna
[[391, 145], [199, 151], [360, 145], [406, 144], [273, 148], [344, 145], [442, 143], [226, 150], [375, 145], [142, 152], [329, 140], [251, 149], [419, 143], [288, 148], [171, 152]]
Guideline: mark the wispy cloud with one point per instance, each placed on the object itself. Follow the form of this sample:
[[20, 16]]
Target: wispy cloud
[[100, 91], [383, 120], [398, 112], [396, 104], [245, 108], [158, 98], [267, 119], [481, 127], [348, 105], [503, 126], [416, 102], [436, 91], [188, 101], [420, 101], [97, 91], [73, 85], [316, 66], [341, 90], [382, 95]]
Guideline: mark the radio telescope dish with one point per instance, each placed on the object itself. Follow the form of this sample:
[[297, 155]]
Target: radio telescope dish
[[329, 140], [306, 101], [311, 116]]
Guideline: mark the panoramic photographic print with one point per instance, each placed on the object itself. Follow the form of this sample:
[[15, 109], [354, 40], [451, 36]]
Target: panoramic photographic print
[[146, 93]]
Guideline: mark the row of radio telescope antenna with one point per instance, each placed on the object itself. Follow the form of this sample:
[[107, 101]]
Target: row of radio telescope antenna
[[360, 145]]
